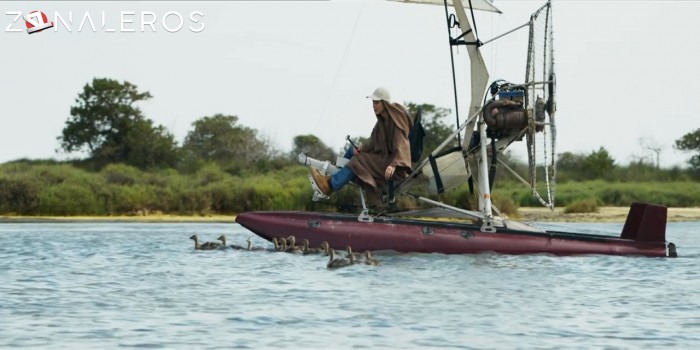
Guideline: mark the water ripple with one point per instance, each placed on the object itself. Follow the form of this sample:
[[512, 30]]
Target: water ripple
[[114, 285]]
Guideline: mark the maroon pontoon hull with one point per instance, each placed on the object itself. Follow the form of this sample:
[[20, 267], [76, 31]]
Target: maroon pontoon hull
[[424, 236]]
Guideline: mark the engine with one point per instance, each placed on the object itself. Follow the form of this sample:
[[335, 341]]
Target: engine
[[505, 112]]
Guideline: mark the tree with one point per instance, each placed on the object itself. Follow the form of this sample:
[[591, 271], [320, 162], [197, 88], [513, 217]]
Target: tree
[[690, 142], [651, 145], [570, 166], [570, 161], [313, 147], [103, 120], [220, 139], [598, 164], [149, 146]]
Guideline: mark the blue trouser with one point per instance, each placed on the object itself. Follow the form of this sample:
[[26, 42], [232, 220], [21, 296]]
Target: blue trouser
[[345, 175]]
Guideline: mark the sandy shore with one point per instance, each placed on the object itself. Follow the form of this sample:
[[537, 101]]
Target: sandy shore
[[605, 214]]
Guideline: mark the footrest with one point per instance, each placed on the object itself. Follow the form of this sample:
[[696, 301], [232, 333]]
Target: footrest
[[318, 194]]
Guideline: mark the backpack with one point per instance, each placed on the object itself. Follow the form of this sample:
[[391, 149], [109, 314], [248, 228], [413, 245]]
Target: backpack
[[416, 136]]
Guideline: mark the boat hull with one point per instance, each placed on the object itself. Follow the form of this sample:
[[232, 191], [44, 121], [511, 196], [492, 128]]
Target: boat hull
[[427, 236]]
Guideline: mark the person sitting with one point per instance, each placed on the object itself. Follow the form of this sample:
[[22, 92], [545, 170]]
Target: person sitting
[[387, 154]]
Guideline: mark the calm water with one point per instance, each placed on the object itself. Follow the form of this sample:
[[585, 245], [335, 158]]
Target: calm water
[[111, 285]]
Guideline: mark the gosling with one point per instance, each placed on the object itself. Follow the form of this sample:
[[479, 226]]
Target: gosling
[[325, 246], [308, 250], [369, 259], [292, 244], [251, 248], [222, 238], [276, 244], [291, 249], [205, 245], [334, 263], [351, 255]]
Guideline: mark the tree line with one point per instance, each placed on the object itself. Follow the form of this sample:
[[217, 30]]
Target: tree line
[[106, 122], [133, 165]]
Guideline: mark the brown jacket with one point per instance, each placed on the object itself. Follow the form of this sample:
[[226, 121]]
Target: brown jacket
[[388, 145]]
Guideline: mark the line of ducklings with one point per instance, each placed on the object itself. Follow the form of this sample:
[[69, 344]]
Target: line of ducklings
[[288, 245], [223, 244]]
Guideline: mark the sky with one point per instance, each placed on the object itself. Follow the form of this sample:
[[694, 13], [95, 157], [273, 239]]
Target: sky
[[626, 70]]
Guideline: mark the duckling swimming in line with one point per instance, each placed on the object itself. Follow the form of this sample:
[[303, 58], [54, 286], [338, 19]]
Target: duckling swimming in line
[[292, 244], [308, 250], [282, 244], [334, 263], [325, 246], [369, 259], [251, 248], [291, 249], [222, 238], [277, 244], [205, 245], [352, 255]]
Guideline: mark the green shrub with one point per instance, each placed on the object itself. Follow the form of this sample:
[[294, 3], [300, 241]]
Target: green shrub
[[121, 174], [128, 200], [56, 174], [223, 195], [69, 199], [60, 188], [506, 206], [18, 195], [193, 201], [210, 173], [582, 206]]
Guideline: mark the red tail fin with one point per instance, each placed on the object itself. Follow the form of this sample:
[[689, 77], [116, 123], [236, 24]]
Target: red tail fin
[[645, 222]]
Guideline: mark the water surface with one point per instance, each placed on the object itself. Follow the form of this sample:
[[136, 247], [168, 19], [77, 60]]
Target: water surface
[[112, 285]]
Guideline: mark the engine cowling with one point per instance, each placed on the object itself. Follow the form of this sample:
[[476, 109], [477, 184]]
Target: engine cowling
[[505, 114]]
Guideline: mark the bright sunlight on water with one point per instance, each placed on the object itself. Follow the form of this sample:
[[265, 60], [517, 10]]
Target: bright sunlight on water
[[109, 285]]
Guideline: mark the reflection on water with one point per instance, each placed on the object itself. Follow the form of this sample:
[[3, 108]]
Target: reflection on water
[[103, 285]]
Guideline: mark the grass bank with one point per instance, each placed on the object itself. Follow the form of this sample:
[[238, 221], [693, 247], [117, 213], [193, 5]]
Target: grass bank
[[604, 214], [120, 192]]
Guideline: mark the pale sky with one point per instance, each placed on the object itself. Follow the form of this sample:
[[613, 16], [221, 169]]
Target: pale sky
[[625, 69]]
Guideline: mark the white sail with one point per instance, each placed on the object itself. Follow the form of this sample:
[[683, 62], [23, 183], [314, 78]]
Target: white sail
[[483, 5], [479, 73]]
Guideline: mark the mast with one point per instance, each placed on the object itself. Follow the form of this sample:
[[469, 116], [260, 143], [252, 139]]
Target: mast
[[479, 73], [532, 115], [479, 81]]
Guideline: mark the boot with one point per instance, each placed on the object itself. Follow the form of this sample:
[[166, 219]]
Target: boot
[[323, 182]]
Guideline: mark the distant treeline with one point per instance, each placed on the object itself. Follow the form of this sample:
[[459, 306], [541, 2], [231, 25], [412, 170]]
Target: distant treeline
[[135, 167], [53, 188]]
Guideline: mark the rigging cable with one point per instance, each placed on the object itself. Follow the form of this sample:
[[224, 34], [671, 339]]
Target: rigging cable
[[452, 60], [340, 66], [476, 31]]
